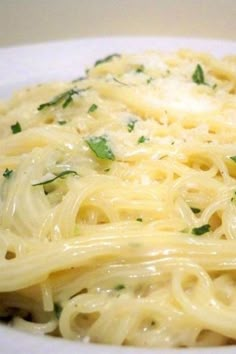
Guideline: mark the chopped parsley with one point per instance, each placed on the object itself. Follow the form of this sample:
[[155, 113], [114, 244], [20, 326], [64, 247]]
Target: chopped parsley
[[233, 158], [16, 128], [142, 139], [233, 198], [7, 173], [92, 108], [100, 146], [195, 210], [62, 122], [149, 80], [139, 219], [140, 69], [119, 82], [57, 310], [119, 287], [107, 169], [60, 175], [131, 125], [198, 231], [64, 98], [107, 59], [198, 76]]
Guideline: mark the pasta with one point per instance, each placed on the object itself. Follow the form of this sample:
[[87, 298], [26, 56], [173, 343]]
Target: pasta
[[118, 203]]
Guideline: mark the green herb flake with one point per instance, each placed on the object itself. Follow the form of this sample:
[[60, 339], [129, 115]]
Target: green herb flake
[[119, 287], [107, 169], [92, 108], [142, 139], [198, 76], [131, 125], [99, 145], [195, 210], [80, 78], [7, 173], [140, 69], [185, 231], [139, 219], [233, 158], [107, 59], [149, 80], [16, 128], [120, 82], [64, 98], [57, 310], [234, 197], [198, 231], [62, 122], [60, 175]]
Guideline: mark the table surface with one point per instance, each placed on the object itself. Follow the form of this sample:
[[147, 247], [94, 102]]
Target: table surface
[[30, 21]]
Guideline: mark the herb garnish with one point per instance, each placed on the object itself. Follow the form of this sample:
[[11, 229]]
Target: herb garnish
[[62, 122], [60, 175], [7, 173], [119, 287], [139, 219], [120, 82], [99, 145], [57, 310], [198, 231], [16, 128], [233, 158], [65, 98], [92, 108], [198, 76], [131, 125], [140, 69], [233, 198], [195, 210], [149, 80], [142, 139], [106, 59], [80, 78]]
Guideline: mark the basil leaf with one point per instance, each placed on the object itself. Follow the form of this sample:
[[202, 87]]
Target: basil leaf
[[99, 145], [198, 231], [16, 128], [107, 59], [61, 175]]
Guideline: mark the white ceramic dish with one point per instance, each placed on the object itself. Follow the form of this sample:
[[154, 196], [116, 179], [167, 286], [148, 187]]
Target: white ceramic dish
[[31, 64]]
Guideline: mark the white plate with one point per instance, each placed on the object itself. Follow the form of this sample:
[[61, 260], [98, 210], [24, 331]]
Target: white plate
[[26, 65]]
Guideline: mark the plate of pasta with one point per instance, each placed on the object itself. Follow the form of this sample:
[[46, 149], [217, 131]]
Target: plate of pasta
[[118, 196]]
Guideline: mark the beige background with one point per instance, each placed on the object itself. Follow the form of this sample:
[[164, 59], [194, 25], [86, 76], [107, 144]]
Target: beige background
[[27, 21]]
